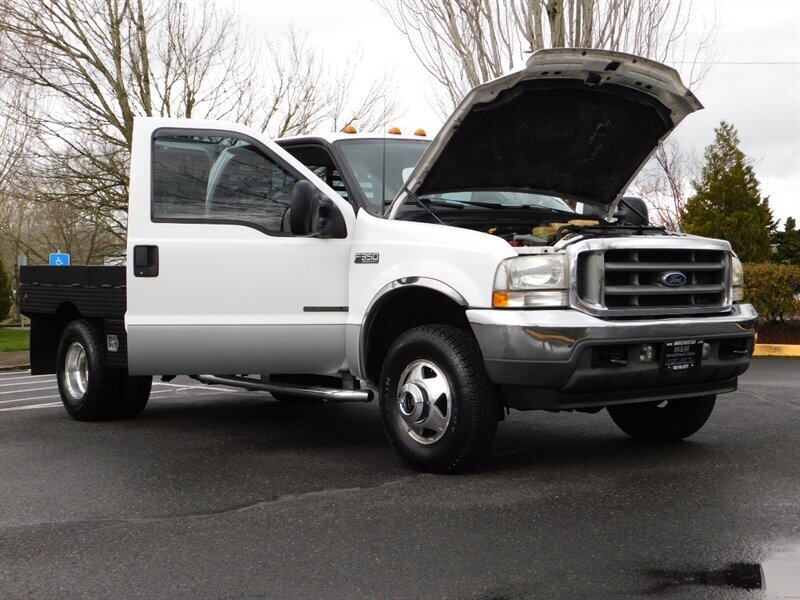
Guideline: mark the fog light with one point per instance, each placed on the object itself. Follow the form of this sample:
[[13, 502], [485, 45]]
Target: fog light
[[648, 353], [706, 350]]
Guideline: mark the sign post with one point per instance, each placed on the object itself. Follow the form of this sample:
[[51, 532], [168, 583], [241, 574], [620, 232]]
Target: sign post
[[22, 261]]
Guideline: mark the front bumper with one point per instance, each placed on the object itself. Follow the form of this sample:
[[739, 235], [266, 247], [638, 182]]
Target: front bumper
[[559, 359]]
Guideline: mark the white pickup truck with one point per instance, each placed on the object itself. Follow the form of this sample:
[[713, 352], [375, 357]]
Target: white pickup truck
[[449, 278]]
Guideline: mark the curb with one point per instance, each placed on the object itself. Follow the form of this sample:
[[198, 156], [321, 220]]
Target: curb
[[14, 368], [777, 350]]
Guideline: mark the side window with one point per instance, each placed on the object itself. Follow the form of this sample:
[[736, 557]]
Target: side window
[[319, 162], [218, 178]]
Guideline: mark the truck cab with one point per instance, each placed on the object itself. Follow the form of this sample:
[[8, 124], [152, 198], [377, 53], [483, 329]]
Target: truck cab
[[355, 164], [450, 278]]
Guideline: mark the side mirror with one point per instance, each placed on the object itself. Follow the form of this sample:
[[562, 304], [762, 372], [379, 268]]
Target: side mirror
[[632, 210], [331, 221], [304, 212], [311, 215]]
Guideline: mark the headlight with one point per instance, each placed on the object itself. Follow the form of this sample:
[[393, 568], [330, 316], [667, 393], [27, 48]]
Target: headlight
[[531, 281], [737, 280]]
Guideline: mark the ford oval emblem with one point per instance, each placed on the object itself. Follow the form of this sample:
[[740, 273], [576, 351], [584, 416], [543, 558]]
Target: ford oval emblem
[[673, 279]]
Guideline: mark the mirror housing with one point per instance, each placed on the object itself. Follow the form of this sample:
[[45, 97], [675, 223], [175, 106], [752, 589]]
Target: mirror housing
[[311, 214], [632, 210], [331, 221], [304, 212]]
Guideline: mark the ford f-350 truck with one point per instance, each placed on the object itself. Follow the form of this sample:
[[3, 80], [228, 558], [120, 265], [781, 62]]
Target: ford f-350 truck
[[450, 278]]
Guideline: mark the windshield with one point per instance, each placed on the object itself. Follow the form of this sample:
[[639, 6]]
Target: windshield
[[490, 199], [370, 166]]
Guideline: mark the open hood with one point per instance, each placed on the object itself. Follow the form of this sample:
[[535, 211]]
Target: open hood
[[574, 123]]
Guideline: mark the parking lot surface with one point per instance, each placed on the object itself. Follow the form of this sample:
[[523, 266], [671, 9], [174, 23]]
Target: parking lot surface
[[217, 493]]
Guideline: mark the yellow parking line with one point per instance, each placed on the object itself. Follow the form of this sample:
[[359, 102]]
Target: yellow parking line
[[777, 350]]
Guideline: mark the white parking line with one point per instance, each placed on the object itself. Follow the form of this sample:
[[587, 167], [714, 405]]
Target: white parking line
[[56, 395], [29, 399], [32, 406], [194, 389], [198, 386], [22, 383], [24, 377], [31, 390]]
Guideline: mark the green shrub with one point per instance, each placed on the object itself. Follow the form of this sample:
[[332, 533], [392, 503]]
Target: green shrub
[[773, 290]]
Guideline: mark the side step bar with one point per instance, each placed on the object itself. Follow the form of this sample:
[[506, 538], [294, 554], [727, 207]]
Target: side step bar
[[290, 389]]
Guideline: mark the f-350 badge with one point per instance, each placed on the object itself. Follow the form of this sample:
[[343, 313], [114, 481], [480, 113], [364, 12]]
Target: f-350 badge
[[363, 258]]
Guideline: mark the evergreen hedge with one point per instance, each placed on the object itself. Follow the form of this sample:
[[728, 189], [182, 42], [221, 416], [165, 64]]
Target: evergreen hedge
[[773, 290]]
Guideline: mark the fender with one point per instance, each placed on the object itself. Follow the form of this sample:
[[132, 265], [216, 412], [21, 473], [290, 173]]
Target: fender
[[357, 334]]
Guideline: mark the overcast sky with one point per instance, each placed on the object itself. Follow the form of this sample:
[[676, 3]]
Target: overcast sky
[[761, 100]]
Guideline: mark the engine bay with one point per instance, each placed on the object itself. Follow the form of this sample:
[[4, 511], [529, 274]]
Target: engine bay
[[538, 233], [547, 231]]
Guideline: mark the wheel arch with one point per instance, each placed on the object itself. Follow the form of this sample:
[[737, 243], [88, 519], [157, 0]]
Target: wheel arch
[[46, 333], [401, 305]]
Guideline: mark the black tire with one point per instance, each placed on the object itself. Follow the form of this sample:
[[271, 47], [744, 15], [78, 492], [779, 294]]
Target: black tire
[[473, 406], [133, 393], [102, 393], [663, 422], [91, 403]]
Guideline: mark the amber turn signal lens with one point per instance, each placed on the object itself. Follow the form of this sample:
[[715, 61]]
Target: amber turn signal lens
[[500, 299]]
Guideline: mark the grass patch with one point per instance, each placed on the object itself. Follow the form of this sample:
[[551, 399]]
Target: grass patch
[[14, 340]]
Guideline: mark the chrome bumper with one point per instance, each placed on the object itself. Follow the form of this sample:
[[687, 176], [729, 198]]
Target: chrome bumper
[[548, 358]]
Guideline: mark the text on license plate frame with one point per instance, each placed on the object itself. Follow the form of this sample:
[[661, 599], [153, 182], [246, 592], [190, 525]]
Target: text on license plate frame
[[681, 355]]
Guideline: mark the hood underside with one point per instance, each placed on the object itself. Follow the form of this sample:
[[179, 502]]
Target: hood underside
[[573, 123]]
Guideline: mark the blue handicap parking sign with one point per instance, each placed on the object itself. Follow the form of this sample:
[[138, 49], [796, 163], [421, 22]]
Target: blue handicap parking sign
[[58, 259]]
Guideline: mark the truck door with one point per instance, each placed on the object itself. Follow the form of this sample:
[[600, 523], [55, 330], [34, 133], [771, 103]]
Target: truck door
[[216, 281]]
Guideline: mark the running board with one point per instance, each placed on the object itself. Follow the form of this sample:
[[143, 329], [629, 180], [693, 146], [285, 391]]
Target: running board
[[290, 389]]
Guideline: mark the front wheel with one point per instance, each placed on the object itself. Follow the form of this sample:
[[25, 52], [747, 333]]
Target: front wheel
[[439, 407], [667, 421]]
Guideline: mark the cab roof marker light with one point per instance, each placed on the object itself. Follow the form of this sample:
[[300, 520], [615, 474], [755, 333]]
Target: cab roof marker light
[[349, 128], [394, 131]]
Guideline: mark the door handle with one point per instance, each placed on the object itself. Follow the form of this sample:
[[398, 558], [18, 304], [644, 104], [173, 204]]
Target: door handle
[[145, 261]]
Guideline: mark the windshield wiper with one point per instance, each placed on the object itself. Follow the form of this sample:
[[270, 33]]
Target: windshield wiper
[[493, 205], [441, 203], [544, 209]]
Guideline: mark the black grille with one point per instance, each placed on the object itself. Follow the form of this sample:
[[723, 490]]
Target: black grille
[[638, 279]]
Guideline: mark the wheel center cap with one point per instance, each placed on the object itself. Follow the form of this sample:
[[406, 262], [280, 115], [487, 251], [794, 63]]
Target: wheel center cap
[[411, 400]]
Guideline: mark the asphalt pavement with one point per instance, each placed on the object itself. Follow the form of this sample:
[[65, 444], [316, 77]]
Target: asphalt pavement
[[220, 493]]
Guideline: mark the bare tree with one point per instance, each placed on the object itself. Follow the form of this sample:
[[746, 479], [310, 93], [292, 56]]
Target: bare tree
[[305, 94], [32, 223], [92, 66], [14, 137], [462, 43], [665, 182]]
